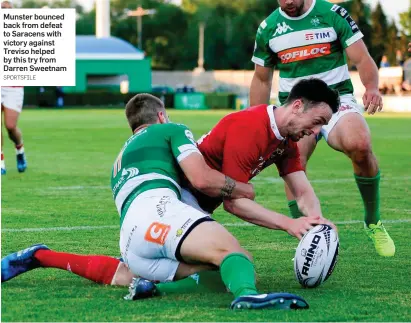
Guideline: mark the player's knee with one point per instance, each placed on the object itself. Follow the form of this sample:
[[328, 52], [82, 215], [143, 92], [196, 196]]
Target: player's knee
[[10, 125], [219, 257], [359, 150]]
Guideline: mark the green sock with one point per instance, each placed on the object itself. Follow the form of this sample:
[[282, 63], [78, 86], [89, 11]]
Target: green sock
[[294, 210], [370, 192], [238, 274], [205, 281]]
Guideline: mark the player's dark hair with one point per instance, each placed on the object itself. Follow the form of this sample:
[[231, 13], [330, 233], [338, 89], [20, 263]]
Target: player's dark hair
[[143, 109], [313, 91]]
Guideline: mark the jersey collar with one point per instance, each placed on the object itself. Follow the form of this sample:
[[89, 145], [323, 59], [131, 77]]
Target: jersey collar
[[299, 17], [273, 124]]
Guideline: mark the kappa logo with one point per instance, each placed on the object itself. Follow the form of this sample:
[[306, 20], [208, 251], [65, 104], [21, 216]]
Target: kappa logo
[[304, 52], [157, 233], [282, 28]]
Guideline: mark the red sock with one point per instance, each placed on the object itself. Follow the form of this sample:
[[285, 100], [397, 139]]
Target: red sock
[[19, 146], [2, 156], [100, 269]]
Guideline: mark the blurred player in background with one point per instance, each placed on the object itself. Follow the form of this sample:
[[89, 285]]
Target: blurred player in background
[[307, 38], [241, 145], [11, 106]]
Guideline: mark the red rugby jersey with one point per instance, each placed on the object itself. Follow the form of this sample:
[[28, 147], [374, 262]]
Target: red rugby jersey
[[242, 144]]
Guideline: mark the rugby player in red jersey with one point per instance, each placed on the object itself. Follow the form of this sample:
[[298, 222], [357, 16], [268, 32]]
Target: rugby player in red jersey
[[241, 145]]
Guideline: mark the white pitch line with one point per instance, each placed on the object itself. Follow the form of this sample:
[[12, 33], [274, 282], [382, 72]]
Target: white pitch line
[[80, 187], [239, 224], [257, 179]]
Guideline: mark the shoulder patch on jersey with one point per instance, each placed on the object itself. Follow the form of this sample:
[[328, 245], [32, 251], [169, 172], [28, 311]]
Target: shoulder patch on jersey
[[263, 24], [344, 14]]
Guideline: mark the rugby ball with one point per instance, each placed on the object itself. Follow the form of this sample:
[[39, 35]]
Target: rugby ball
[[316, 256]]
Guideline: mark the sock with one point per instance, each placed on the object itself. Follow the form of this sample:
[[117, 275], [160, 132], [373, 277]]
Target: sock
[[100, 269], [370, 192], [3, 164], [294, 210], [19, 149], [205, 281], [238, 274]]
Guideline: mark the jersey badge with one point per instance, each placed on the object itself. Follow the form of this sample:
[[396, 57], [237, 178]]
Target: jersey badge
[[315, 21]]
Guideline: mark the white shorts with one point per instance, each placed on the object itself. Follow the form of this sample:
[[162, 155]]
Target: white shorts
[[12, 98], [152, 232], [348, 105]]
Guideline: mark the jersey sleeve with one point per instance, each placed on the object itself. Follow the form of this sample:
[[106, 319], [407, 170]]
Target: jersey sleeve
[[346, 28], [240, 152], [263, 55], [290, 162], [182, 142]]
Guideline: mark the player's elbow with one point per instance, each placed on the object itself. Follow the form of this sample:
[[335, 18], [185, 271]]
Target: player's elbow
[[200, 182]]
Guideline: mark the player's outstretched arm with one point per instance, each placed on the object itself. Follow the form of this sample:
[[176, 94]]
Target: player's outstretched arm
[[253, 212], [212, 182], [307, 200], [303, 192]]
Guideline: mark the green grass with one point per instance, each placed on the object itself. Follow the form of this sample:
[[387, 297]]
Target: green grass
[[70, 154]]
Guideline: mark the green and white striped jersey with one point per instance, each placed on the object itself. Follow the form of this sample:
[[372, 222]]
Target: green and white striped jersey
[[149, 160], [311, 45]]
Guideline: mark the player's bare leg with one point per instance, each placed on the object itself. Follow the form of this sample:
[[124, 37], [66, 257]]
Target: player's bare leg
[[210, 242], [306, 146], [10, 121], [351, 136], [123, 276]]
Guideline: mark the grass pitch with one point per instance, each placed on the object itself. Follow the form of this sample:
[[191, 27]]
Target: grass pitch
[[64, 200]]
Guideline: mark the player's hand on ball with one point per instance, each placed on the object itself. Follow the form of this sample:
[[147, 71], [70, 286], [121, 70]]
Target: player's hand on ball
[[372, 101], [326, 221], [302, 225]]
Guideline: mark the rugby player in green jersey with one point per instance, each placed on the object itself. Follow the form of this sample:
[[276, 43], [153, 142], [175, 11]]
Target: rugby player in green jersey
[[311, 38]]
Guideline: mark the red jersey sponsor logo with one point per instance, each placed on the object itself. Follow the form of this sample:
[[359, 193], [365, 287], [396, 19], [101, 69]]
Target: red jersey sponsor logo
[[304, 52]]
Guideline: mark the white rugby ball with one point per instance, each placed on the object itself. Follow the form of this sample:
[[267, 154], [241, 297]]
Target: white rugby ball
[[316, 256]]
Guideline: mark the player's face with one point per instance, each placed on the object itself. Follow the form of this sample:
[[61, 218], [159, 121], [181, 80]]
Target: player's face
[[6, 5], [308, 122], [292, 8]]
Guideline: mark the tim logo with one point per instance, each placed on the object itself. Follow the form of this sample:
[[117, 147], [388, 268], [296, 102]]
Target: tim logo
[[304, 52], [157, 233], [323, 35]]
